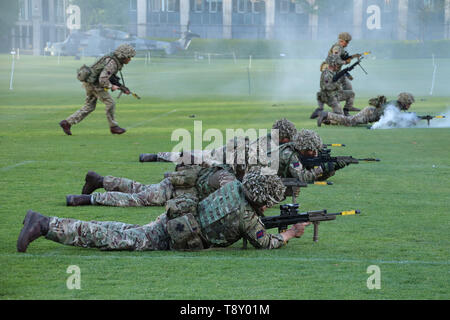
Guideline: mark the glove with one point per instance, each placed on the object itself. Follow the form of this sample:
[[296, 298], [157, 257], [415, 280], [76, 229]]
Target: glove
[[340, 164], [328, 167]]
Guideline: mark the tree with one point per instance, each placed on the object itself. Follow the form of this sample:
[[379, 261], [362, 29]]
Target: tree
[[9, 13], [108, 13]]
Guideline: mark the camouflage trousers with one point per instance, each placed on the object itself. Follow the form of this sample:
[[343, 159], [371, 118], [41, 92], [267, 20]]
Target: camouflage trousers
[[109, 235], [123, 192], [92, 94], [342, 95], [366, 115]]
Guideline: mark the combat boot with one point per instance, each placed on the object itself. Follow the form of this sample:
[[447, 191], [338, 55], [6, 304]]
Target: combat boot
[[315, 114], [94, 181], [34, 226], [322, 117], [117, 130], [148, 157], [346, 113], [65, 125], [73, 200]]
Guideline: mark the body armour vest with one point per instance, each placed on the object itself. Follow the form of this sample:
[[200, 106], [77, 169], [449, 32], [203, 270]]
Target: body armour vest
[[228, 199]]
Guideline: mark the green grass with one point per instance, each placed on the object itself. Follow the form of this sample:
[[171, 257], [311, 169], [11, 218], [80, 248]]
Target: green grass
[[404, 199]]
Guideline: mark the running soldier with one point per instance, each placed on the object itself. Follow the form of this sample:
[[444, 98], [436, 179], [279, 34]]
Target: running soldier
[[97, 82]]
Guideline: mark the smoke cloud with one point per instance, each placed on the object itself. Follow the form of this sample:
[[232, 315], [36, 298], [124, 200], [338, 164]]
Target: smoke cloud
[[394, 118]]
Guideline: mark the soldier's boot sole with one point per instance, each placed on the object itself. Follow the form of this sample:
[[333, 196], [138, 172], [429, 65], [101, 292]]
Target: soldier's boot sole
[[34, 226], [93, 181], [78, 200], [148, 157], [117, 130], [315, 114], [65, 125]]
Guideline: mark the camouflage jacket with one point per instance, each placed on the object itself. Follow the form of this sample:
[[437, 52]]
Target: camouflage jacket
[[112, 67], [328, 88], [290, 165], [225, 217], [338, 51]]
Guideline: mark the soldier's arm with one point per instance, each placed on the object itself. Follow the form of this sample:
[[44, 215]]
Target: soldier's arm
[[253, 230], [297, 170], [107, 72], [338, 51]]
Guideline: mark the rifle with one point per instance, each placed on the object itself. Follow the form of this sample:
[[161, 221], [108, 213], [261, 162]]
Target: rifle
[[289, 215], [345, 71], [325, 157], [346, 56], [292, 185], [428, 118], [115, 80]]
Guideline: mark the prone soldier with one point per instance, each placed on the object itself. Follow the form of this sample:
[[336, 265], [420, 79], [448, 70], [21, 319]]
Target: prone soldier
[[369, 114], [225, 216]]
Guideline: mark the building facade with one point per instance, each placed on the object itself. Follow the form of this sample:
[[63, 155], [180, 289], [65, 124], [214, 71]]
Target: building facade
[[293, 19], [42, 21], [39, 22]]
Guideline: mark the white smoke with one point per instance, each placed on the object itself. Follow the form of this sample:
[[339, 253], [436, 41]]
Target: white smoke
[[394, 118]]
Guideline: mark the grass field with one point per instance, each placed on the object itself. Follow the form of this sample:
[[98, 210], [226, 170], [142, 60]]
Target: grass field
[[404, 199]]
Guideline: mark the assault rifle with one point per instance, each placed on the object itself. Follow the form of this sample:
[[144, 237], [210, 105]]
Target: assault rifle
[[345, 71], [293, 184], [115, 80], [289, 215], [326, 157], [428, 118], [346, 56]]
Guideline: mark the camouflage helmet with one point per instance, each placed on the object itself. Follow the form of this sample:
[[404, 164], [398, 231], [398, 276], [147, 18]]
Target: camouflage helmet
[[332, 60], [125, 51], [286, 129], [345, 36], [406, 98], [263, 189], [307, 140]]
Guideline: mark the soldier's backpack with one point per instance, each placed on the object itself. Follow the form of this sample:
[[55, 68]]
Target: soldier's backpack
[[91, 74]]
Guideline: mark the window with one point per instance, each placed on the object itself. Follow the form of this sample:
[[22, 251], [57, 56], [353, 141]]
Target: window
[[197, 5], [213, 5], [155, 5], [172, 5], [257, 6], [241, 6], [284, 6], [22, 10], [133, 5]]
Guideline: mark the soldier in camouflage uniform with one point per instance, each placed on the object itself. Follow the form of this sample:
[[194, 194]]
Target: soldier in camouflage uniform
[[97, 86], [221, 219], [306, 144], [331, 92], [188, 183], [286, 130], [338, 52], [369, 114]]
